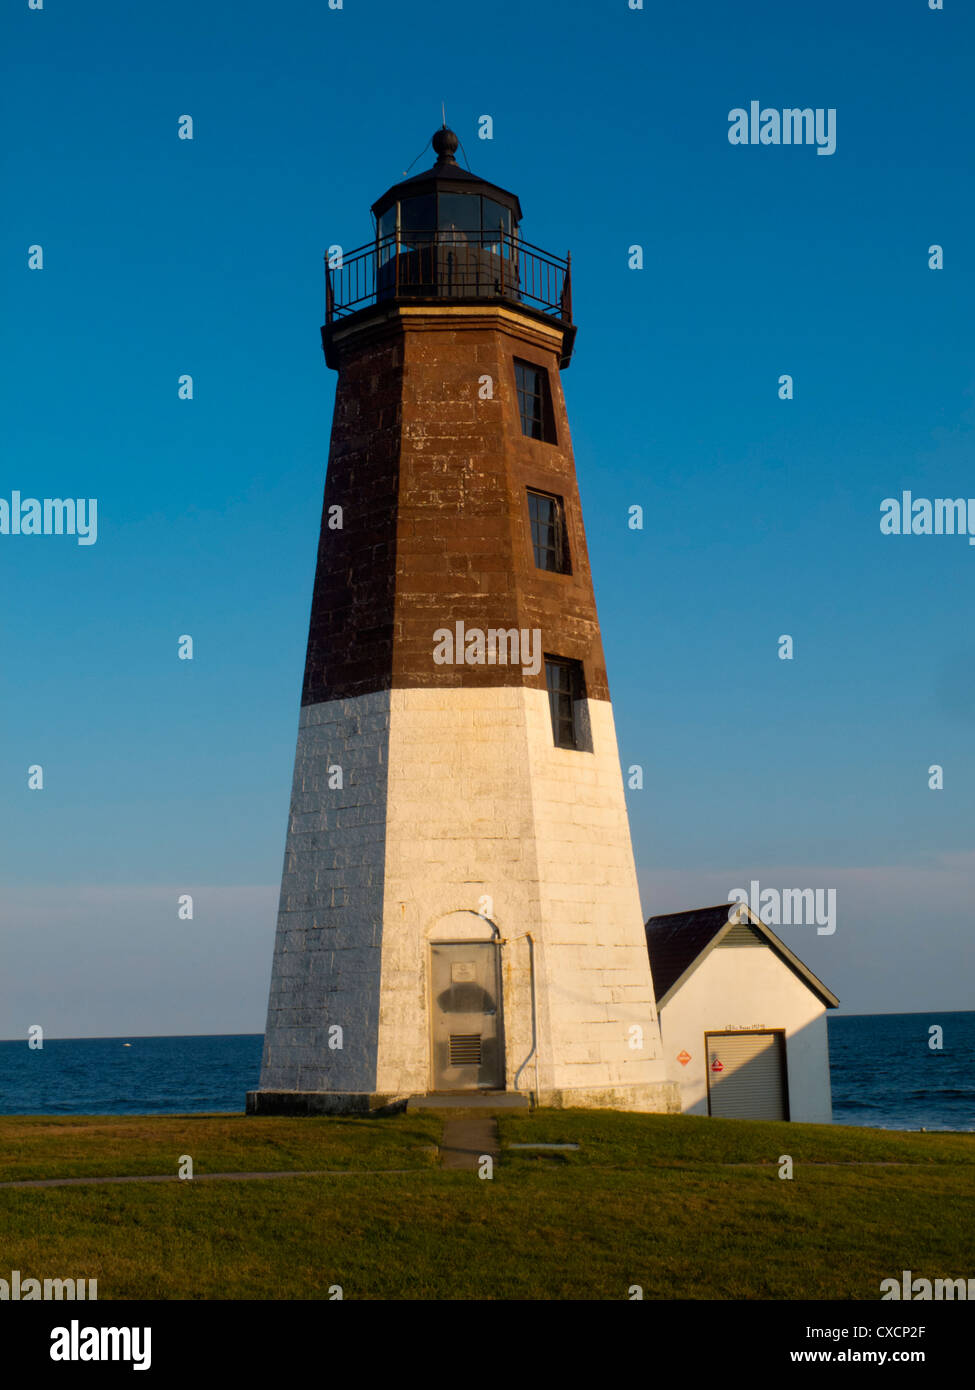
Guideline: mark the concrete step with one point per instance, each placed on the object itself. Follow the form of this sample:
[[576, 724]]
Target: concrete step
[[469, 1100]]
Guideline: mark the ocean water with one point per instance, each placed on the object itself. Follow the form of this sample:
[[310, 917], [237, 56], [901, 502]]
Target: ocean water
[[883, 1072], [129, 1076]]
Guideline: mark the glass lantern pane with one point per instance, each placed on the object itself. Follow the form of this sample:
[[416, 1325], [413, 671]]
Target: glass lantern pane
[[460, 212], [495, 213], [418, 214]]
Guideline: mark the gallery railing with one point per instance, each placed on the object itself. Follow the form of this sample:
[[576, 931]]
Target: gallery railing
[[448, 265]]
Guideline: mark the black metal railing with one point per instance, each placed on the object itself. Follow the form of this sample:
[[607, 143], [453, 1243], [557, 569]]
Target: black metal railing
[[449, 265]]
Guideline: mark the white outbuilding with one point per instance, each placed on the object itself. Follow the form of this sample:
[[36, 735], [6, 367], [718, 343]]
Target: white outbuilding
[[743, 1021]]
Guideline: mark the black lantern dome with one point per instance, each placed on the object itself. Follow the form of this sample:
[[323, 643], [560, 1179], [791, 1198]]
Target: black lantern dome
[[447, 199]]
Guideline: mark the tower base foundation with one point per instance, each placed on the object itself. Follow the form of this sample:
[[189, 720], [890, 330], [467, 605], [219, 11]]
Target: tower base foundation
[[323, 1103], [661, 1099]]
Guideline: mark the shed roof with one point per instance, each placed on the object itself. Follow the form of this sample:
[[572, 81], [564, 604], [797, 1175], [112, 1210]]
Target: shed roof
[[679, 941]]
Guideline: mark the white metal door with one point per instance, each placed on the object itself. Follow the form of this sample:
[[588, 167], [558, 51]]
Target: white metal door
[[467, 1049]]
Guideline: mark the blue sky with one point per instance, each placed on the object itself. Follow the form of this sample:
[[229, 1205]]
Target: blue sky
[[164, 256]]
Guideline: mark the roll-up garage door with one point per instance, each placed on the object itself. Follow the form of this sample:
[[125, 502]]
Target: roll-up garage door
[[746, 1076]]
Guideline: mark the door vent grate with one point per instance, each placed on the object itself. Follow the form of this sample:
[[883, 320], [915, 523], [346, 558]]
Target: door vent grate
[[465, 1049]]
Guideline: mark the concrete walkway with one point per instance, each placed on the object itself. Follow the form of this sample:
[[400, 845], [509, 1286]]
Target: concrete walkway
[[466, 1138]]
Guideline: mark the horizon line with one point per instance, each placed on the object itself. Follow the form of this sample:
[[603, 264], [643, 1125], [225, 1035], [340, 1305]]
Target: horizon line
[[143, 1037]]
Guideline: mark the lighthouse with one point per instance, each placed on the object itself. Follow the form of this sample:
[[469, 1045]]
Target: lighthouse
[[459, 911]]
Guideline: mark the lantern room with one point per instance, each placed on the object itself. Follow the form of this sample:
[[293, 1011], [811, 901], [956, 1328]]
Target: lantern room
[[448, 234]]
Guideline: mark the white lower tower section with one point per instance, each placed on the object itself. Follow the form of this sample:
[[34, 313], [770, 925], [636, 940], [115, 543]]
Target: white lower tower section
[[458, 819]]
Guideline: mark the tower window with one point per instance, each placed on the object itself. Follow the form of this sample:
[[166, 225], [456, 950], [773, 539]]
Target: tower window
[[547, 514], [534, 401], [565, 689]]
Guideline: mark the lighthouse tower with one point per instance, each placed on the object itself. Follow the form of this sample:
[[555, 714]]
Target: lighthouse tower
[[459, 908]]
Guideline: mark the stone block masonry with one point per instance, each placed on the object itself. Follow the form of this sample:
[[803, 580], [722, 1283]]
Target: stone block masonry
[[458, 818]]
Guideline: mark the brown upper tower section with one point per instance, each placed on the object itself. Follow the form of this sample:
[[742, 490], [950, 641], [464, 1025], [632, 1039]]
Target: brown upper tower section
[[450, 455]]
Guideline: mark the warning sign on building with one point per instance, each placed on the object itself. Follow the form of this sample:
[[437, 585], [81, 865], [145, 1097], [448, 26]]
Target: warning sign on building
[[683, 1058]]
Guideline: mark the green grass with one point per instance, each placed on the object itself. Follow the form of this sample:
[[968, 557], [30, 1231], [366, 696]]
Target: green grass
[[41, 1146], [616, 1140], [647, 1200]]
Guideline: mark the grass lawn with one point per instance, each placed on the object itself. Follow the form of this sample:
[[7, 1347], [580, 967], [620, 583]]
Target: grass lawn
[[650, 1200], [76, 1146]]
